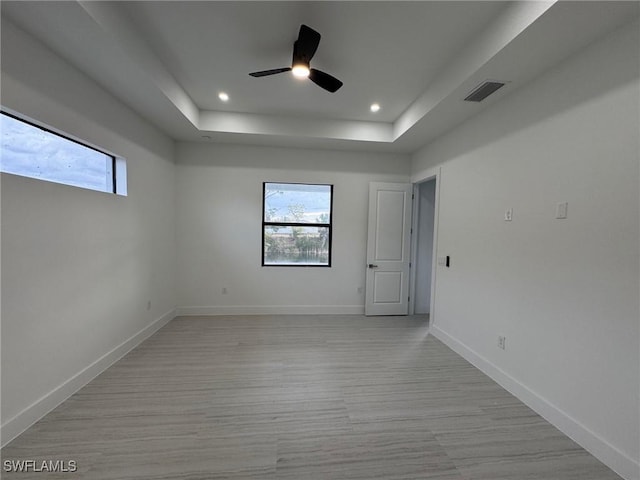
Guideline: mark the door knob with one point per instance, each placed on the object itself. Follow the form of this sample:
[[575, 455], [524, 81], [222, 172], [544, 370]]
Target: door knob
[[371, 265]]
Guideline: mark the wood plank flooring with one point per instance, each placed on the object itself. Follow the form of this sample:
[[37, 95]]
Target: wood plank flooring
[[299, 398]]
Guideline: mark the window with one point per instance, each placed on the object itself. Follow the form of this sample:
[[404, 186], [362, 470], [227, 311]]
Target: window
[[34, 151], [296, 224]]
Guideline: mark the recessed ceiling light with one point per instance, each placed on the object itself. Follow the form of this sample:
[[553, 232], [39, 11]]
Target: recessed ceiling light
[[375, 107], [223, 96]]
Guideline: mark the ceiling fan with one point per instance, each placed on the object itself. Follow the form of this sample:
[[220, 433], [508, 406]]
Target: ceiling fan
[[303, 50]]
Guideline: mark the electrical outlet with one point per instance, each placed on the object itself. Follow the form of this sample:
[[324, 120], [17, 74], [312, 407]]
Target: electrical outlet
[[224, 290], [502, 342], [561, 210], [508, 215]]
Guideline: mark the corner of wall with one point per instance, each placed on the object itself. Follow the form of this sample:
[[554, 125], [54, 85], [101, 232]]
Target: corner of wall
[[608, 454], [34, 412]]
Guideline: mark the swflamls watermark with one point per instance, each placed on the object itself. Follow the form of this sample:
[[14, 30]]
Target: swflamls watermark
[[54, 466]]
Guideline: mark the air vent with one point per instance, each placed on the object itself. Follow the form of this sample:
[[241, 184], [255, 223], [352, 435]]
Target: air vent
[[483, 90]]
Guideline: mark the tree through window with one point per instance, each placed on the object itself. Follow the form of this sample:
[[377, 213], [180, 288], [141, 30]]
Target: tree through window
[[296, 224]]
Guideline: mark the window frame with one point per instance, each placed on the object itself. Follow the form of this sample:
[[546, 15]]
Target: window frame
[[266, 223], [114, 159]]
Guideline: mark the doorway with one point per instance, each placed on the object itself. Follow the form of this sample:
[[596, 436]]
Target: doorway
[[424, 227]]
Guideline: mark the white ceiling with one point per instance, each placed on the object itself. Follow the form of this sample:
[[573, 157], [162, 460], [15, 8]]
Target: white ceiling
[[169, 59]]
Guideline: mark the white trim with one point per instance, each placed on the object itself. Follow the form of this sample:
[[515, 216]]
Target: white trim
[[618, 461], [425, 175], [415, 224], [271, 310], [34, 412], [434, 254]]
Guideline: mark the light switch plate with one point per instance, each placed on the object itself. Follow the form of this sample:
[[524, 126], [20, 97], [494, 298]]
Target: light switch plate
[[562, 210]]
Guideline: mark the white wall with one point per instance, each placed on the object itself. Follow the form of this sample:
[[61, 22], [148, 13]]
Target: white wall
[[424, 249], [78, 266], [219, 213], [563, 292]]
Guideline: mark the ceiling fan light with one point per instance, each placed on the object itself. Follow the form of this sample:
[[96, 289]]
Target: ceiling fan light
[[300, 70]]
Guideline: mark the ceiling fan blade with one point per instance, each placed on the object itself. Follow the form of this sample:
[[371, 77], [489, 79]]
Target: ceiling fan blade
[[264, 73], [324, 80], [307, 44]]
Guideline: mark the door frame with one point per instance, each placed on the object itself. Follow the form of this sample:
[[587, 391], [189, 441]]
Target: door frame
[[421, 177]]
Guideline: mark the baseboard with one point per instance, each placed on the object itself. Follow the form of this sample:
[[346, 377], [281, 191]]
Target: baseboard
[[34, 412], [272, 310], [618, 461]]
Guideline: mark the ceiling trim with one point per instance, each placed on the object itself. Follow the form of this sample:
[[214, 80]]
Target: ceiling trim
[[260, 124], [513, 21], [522, 40], [122, 32]]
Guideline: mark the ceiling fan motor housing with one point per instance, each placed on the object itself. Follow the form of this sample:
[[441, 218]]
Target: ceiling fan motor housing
[[299, 56]]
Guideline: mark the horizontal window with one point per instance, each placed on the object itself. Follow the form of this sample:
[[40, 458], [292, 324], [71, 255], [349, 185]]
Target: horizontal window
[[296, 224], [34, 151]]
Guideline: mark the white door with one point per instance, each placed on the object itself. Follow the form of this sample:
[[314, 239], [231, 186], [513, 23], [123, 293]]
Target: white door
[[388, 249]]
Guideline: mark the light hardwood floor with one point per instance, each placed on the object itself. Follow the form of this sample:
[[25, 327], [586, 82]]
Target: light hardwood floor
[[300, 398]]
